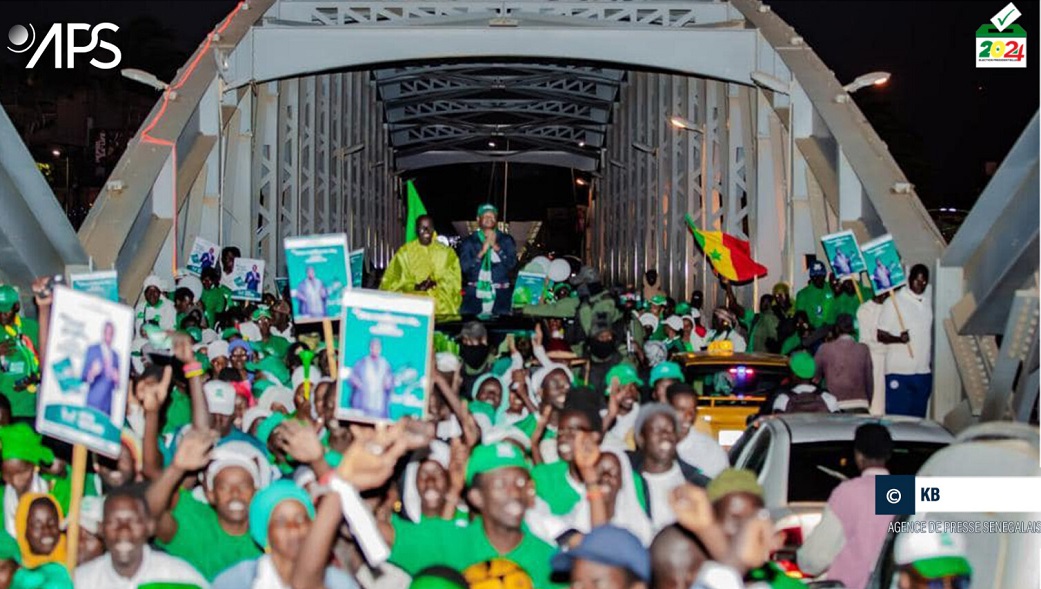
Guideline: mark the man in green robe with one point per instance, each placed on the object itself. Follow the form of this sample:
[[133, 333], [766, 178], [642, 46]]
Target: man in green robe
[[814, 297], [426, 266]]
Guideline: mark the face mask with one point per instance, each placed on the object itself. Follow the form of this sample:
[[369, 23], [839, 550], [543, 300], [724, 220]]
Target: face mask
[[601, 349], [474, 355]]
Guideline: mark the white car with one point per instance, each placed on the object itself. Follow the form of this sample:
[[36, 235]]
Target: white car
[[999, 561], [801, 457]]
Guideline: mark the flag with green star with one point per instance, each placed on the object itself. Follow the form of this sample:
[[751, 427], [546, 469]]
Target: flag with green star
[[730, 257]]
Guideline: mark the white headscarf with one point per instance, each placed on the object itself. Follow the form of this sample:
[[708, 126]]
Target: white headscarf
[[411, 502]]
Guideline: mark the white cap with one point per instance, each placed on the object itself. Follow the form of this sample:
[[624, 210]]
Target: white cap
[[220, 397], [91, 512], [315, 376], [649, 320], [932, 554], [217, 349], [275, 394], [250, 331], [252, 415], [192, 283], [447, 362], [695, 314], [674, 322], [155, 281], [243, 454], [506, 433], [209, 336]]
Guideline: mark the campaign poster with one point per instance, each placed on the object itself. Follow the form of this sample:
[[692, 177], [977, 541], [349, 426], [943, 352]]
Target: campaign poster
[[103, 284], [247, 276], [282, 286], [205, 254], [357, 267], [528, 289], [385, 352], [843, 254], [883, 264], [84, 382], [318, 275]]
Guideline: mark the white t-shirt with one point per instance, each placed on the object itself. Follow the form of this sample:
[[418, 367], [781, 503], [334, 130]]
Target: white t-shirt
[[867, 321], [164, 313], [156, 567], [622, 427], [917, 313], [703, 452], [659, 487]]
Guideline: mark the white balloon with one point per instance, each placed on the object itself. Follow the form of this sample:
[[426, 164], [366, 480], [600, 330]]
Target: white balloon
[[539, 264], [559, 270]]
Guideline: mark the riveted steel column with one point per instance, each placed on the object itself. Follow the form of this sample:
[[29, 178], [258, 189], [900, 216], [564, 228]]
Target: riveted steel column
[[334, 163], [321, 155], [266, 147], [306, 203], [239, 201], [289, 159]]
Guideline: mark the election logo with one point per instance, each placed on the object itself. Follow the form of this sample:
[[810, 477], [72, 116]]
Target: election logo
[[1001, 43]]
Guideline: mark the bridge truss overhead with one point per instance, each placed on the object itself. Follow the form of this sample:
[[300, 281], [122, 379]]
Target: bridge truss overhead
[[300, 116]]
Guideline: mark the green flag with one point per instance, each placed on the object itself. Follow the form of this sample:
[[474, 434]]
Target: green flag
[[415, 211]]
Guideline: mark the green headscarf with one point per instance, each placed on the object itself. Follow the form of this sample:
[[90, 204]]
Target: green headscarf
[[266, 500], [18, 441]]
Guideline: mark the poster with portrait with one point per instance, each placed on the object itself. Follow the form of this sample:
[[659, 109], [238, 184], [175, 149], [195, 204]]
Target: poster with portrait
[[884, 265], [247, 276], [84, 382], [843, 254], [357, 267], [385, 356], [103, 284], [318, 275], [205, 254], [528, 289]]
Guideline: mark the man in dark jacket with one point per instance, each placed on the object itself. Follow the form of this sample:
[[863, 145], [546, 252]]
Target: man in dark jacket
[[487, 258]]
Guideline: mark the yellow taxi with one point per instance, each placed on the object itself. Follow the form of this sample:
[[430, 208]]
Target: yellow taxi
[[731, 386]]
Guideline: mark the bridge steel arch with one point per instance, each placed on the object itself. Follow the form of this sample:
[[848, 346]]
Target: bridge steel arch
[[299, 116]]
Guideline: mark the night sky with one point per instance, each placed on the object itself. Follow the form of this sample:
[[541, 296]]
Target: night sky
[[942, 117]]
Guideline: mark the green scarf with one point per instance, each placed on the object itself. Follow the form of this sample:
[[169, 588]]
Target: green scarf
[[485, 290]]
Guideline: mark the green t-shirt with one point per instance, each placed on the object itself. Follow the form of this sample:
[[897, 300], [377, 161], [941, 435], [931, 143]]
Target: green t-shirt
[[432, 542], [814, 300], [215, 300], [772, 575], [202, 542], [528, 424], [844, 303], [551, 484], [275, 346], [18, 365]]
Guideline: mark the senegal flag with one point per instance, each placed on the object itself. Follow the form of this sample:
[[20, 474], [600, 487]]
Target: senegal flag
[[730, 256], [415, 211]]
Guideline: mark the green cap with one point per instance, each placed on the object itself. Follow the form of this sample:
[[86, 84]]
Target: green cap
[[659, 300], [19, 441], [195, 333], [733, 480], [8, 297], [802, 365], [666, 370], [261, 312], [625, 373], [227, 333], [943, 566], [486, 458], [487, 207], [501, 367], [683, 309]]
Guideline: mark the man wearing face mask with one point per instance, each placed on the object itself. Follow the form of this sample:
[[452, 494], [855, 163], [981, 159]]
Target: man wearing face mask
[[602, 352], [475, 352], [426, 266]]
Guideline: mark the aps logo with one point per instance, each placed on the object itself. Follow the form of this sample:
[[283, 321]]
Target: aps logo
[[65, 38]]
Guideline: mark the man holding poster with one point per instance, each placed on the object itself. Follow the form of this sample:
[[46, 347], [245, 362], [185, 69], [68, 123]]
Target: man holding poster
[[906, 327]]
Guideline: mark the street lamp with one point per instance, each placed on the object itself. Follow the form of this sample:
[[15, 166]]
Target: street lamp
[[148, 79], [770, 82], [868, 79]]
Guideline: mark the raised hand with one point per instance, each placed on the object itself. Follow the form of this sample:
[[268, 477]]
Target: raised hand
[[299, 441], [182, 347], [587, 452], [152, 393], [536, 340], [692, 508], [193, 453], [42, 291], [459, 457], [370, 460]]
